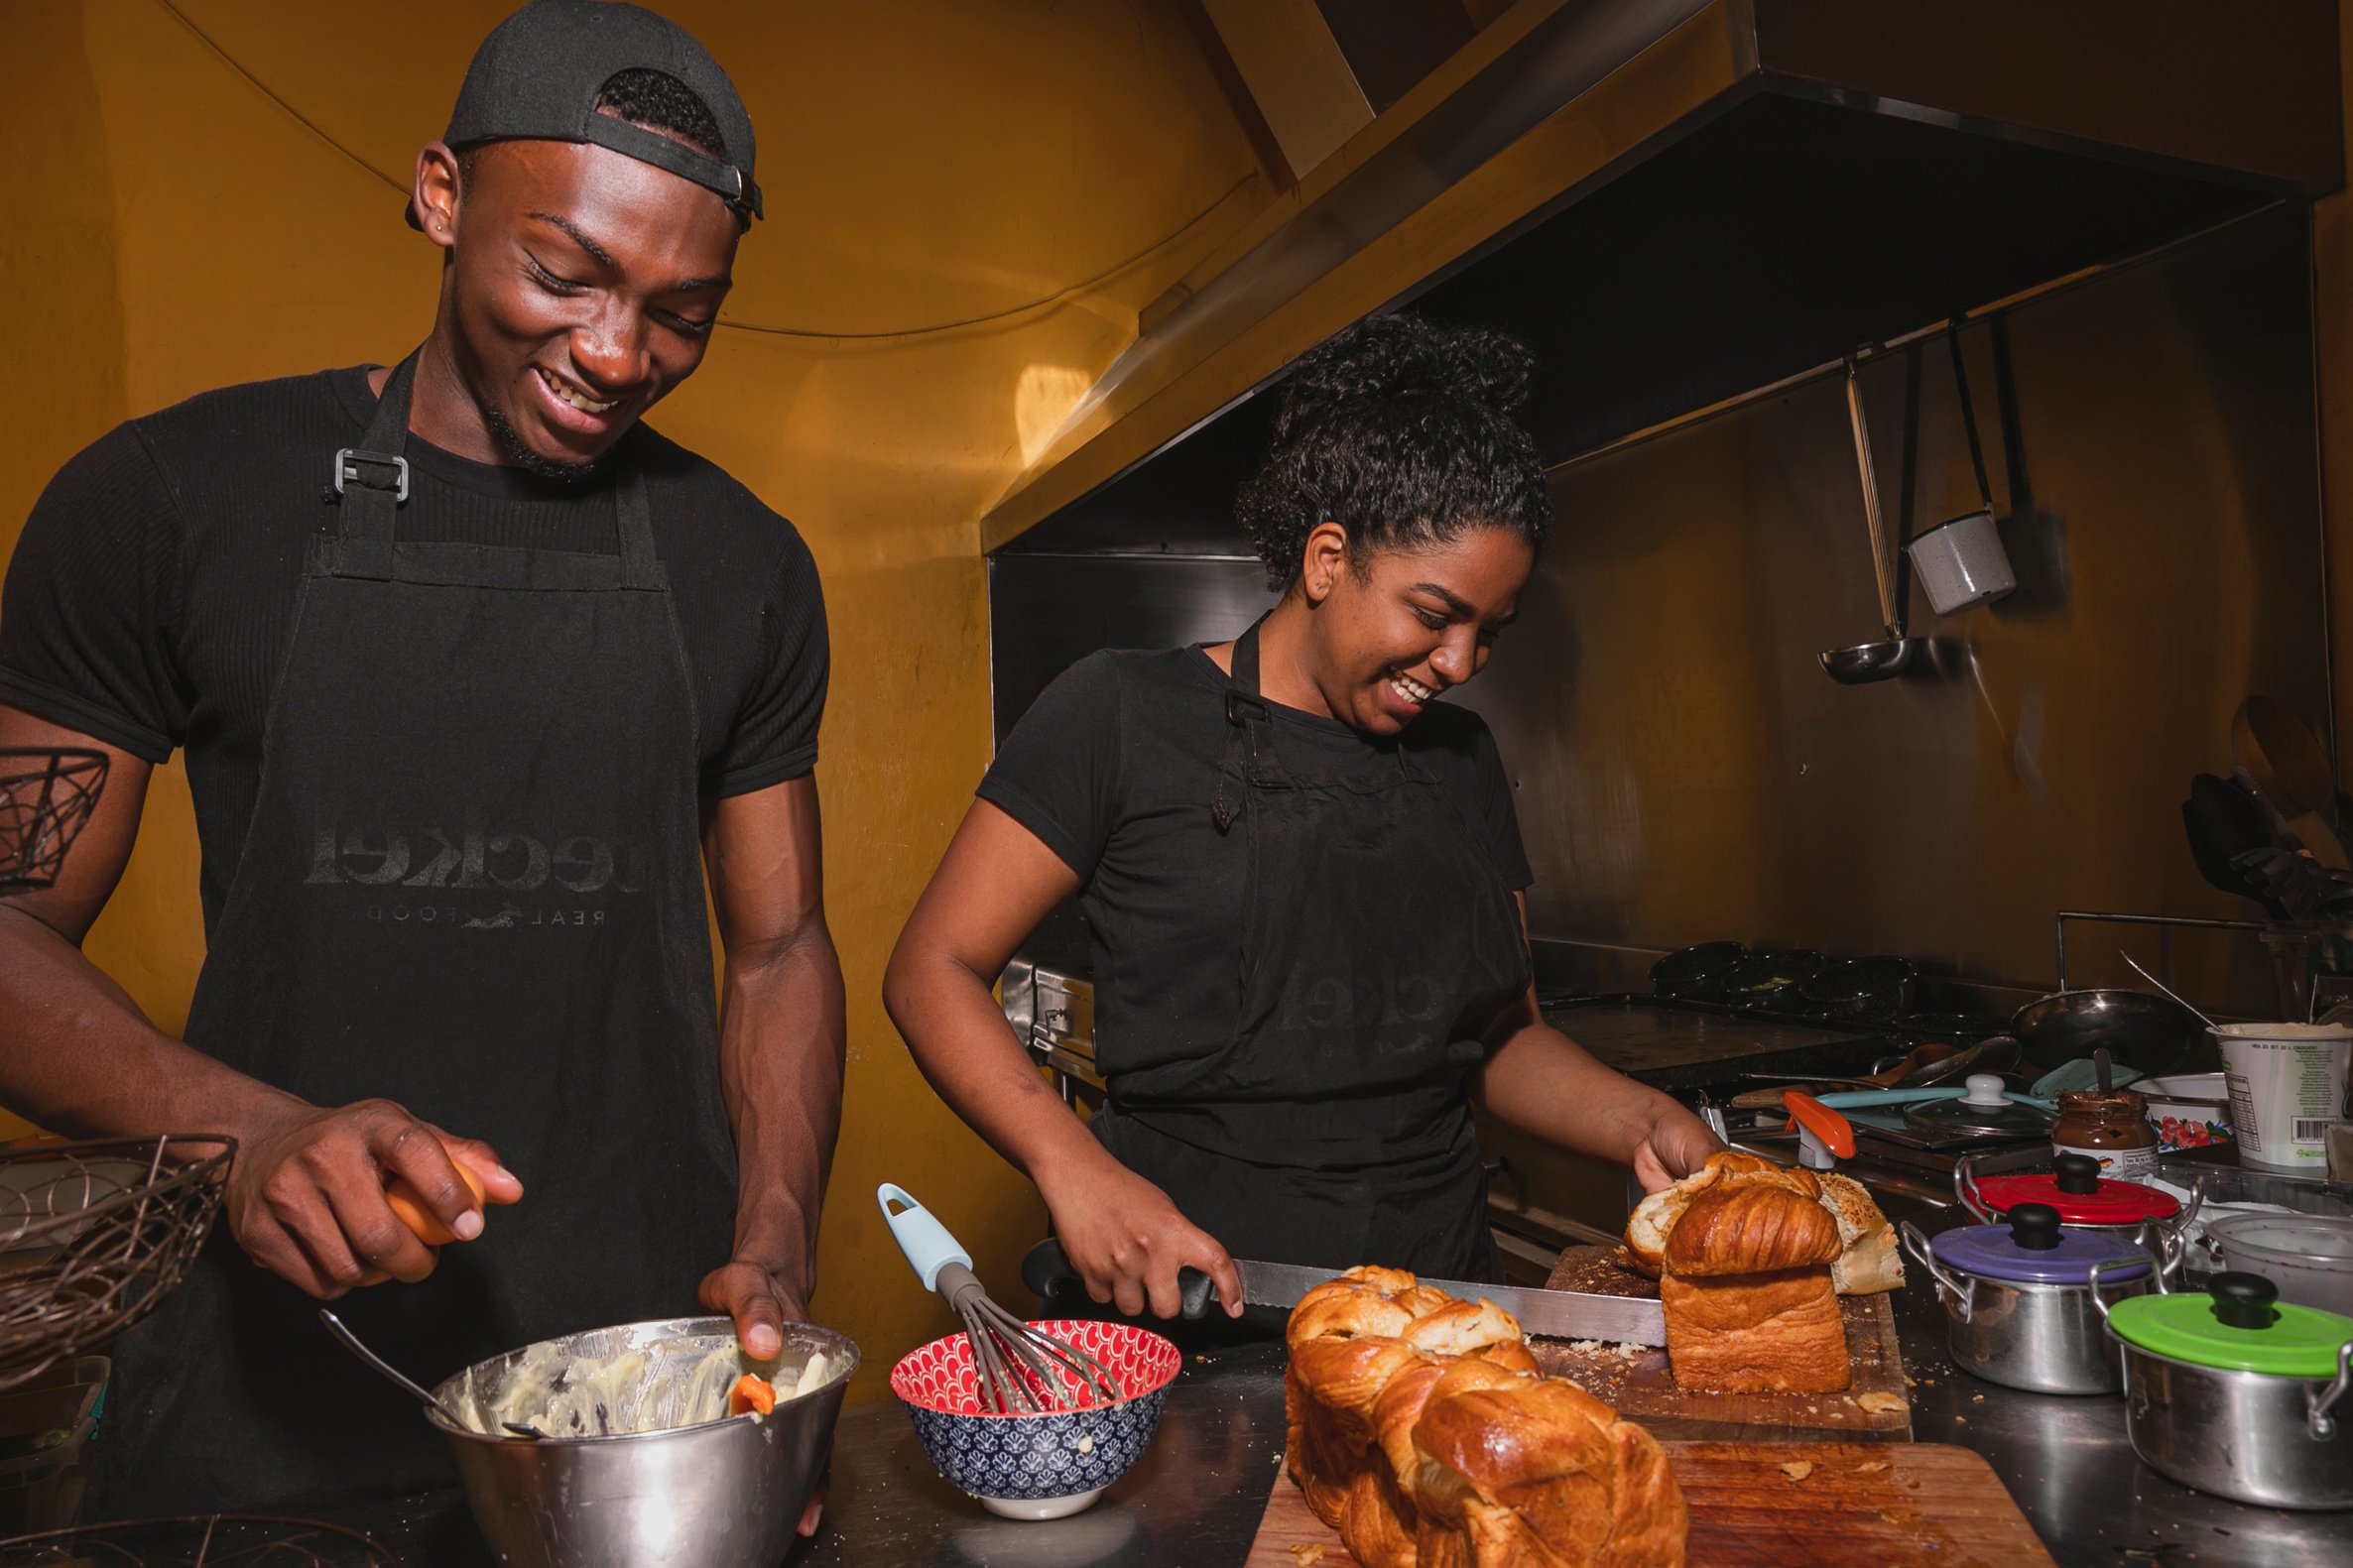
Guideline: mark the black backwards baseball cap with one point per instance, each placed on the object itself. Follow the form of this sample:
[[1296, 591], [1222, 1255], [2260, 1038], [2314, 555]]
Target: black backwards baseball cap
[[538, 75]]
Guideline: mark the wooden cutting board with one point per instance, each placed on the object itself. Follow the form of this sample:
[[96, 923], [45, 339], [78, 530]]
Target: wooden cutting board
[[1642, 1388], [1862, 1505]]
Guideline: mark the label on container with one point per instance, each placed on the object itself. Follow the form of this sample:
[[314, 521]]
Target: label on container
[[2287, 1085], [2116, 1164]]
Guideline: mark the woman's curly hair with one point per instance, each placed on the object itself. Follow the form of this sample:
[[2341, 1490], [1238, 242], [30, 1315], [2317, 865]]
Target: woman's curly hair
[[1401, 431]]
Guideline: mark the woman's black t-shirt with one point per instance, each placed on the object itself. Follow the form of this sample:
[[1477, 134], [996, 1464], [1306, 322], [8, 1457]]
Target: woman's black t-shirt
[[1114, 767]]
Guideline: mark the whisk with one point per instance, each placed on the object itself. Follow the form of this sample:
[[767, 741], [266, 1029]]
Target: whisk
[[1022, 1370]]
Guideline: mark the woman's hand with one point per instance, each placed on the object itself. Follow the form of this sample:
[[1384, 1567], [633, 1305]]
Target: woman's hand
[[1677, 1145], [1126, 1240]]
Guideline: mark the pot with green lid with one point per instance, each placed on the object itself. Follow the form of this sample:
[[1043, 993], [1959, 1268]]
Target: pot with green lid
[[2233, 1391]]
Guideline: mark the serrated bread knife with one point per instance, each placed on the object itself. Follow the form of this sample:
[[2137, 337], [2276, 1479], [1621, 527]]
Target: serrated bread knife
[[1554, 1314]]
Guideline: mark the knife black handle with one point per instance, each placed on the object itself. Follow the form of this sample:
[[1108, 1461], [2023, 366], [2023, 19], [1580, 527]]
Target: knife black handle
[[1046, 1270]]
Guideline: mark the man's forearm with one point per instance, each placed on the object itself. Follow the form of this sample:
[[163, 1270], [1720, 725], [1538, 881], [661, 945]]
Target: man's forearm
[[76, 1055], [781, 1052]]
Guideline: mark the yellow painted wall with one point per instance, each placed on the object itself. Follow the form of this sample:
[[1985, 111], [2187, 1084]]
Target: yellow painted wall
[[170, 229]]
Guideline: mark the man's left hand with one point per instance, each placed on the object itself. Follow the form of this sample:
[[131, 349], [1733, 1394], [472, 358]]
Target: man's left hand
[[753, 1294]]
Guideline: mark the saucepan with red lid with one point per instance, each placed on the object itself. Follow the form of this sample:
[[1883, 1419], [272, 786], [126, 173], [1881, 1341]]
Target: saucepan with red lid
[[2085, 1200]]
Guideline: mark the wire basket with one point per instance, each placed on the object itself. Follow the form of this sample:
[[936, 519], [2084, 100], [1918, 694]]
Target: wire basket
[[95, 1235], [220, 1540], [45, 800]]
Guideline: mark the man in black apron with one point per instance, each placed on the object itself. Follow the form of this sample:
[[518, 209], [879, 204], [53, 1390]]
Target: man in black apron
[[470, 672]]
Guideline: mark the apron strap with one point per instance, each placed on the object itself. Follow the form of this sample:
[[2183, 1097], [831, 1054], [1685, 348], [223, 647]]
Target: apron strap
[[1245, 711], [372, 480], [641, 567]]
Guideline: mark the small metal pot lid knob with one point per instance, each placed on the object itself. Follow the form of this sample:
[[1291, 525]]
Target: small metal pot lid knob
[[2243, 1300], [2034, 1227], [2238, 1323]]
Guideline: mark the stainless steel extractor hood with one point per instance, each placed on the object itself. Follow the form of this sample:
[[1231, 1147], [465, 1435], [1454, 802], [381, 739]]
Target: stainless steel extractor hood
[[1736, 188]]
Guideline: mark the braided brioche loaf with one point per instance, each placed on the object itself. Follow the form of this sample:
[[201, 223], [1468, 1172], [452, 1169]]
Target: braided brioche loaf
[[1420, 1430]]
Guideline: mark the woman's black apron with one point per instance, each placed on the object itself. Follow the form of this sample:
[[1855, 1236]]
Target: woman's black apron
[[1379, 943], [472, 884]]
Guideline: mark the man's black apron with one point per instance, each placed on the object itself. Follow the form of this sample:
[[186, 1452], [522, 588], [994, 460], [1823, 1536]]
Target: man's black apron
[[471, 884], [1380, 942]]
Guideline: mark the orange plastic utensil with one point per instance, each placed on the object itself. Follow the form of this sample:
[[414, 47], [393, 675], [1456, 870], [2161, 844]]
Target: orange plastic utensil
[[1836, 1133], [752, 1395], [406, 1202]]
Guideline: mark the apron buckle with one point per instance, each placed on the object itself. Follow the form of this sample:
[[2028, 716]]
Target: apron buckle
[[373, 470], [1237, 700]]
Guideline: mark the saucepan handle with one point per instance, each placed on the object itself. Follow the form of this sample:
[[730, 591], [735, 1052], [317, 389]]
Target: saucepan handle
[[2155, 1266], [2164, 1241], [1963, 1294], [2318, 1402], [1964, 1187]]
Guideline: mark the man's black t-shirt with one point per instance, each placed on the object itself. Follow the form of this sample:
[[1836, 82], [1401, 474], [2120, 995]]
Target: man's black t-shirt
[[1114, 768], [148, 601]]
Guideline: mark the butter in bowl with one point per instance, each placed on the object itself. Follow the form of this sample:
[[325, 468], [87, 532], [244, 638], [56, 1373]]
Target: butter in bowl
[[642, 1462]]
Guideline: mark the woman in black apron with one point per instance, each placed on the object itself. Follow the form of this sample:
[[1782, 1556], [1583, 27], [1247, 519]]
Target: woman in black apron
[[1300, 873]]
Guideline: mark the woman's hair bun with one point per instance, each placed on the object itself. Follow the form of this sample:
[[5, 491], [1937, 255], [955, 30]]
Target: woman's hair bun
[[1401, 431], [1401, 356]]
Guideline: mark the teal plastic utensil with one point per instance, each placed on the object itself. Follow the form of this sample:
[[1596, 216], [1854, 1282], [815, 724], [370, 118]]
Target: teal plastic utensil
[[2071, 1077]]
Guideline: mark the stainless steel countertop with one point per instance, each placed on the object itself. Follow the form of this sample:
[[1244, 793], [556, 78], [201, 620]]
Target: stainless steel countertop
[[1197, 1496], [1195, 1500]]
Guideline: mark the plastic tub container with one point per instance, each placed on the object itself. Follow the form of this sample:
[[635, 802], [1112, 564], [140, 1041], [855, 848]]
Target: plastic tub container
[[2287, 1086], [2309, 1256]]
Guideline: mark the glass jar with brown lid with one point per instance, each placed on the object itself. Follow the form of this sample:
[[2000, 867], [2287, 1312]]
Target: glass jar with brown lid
[[2112, 1128]]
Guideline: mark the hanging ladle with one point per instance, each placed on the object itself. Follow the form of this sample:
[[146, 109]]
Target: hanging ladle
[[400, 1380], [1868, 662]]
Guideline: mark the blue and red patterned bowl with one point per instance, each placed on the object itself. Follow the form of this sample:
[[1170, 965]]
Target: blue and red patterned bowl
[[1038, 1466]]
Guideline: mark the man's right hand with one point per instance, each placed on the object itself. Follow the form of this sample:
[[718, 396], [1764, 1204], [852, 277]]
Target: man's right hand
[[305, 1192], [1126, 1239]]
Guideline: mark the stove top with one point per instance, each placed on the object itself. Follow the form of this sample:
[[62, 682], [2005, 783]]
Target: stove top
[[1673, 1045]]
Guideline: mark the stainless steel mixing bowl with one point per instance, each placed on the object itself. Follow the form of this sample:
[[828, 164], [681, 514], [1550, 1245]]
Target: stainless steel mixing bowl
[[724, 1495]]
